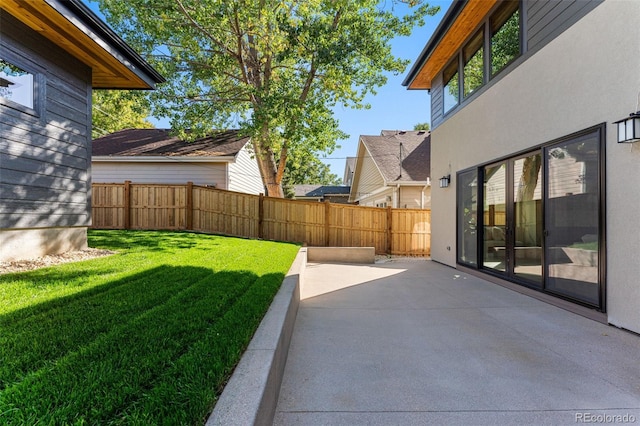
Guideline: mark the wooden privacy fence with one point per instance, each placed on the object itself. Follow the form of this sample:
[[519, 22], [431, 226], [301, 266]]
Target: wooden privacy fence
[[190, 207]]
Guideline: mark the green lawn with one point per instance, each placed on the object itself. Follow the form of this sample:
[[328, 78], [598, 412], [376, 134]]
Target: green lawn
[[146, 336]]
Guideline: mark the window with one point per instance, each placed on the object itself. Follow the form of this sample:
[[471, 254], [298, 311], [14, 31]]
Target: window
[[451, 94], [16, 84], [469, 68], [473, 71], [505, 35]]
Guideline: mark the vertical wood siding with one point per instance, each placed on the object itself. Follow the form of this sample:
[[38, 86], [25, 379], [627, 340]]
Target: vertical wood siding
[[44, 154]]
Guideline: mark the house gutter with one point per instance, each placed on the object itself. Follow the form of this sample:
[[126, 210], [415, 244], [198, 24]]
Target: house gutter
[[161, 159], [96, 25]]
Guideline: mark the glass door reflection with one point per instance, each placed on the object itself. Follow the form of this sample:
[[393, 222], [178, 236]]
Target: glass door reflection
[[527, 210], [495, 217]]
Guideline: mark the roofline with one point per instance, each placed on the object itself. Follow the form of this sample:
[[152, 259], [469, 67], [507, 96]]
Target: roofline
[[88, 17], [448, 20], [161, 159], [409, 183]]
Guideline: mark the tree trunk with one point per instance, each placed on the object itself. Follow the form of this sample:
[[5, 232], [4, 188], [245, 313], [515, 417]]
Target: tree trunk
[[268, 171]]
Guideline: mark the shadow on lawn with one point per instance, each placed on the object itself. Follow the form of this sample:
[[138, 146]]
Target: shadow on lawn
[[154, 346], [33, 337], [150, 240]]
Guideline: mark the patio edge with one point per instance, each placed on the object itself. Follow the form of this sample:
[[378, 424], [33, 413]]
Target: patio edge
[[251, 395]]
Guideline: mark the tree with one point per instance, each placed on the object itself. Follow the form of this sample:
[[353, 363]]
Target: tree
[[304, 167], [273, 68], [422, 126], [114, 110]]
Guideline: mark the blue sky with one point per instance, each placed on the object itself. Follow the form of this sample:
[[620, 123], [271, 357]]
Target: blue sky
[[392, 108]]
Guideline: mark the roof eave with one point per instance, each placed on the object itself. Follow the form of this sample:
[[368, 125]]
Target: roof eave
[[141, 67], [442, 28], [75, 28], [160, 159]]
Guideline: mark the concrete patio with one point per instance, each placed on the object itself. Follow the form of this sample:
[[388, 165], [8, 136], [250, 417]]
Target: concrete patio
[[416, 342]]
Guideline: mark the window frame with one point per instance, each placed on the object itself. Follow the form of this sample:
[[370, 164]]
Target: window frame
[[543, 148], [478, 35], [38, 85], [490, 34], [445, 71], [485, 27]]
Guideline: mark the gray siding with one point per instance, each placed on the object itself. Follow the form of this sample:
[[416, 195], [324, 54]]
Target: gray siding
[[44, 154], [437, 101], [548, 19]]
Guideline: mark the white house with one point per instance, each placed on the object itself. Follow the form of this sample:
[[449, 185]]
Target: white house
[[525, 102], [223, 160], [392, 170]]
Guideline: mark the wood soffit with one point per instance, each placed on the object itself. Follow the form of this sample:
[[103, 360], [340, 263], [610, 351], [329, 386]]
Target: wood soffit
[[474, 12], [107, 71]]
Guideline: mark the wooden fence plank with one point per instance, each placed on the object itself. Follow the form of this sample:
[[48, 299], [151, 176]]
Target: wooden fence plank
[[176, 207]]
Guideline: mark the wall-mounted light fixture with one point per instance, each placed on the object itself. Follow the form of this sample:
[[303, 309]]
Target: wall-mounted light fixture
[[444, 181], [629, 128]]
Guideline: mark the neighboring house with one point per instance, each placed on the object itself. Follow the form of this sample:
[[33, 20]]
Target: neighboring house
[[393, 170], [52, 53], [349, 170], [222, 160], [525, 96], [332, 193]]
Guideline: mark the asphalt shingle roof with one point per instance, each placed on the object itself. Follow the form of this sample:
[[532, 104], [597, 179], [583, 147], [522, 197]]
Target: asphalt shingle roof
[[416, 154], [320, 190], [150, 142]]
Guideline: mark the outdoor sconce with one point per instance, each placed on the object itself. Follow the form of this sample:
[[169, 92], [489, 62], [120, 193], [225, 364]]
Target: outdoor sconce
[[628, 128], [444, 181]]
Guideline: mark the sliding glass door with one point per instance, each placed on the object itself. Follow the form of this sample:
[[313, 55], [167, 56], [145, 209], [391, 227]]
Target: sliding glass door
[[512, 218], [527, 218], [572, 218], [537, 219]]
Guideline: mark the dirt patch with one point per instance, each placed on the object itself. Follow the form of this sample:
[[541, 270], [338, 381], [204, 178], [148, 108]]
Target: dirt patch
[[51, 260]]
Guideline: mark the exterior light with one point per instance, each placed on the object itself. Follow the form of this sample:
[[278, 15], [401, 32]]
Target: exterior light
[[629, 128], [444, 181]]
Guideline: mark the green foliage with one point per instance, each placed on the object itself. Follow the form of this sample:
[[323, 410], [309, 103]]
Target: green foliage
[[146, 336], [505, 43], [114, 110], [304, 167], [274, 68], [422, 126]]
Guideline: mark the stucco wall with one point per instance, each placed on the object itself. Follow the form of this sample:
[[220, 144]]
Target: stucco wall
[[588, 75]]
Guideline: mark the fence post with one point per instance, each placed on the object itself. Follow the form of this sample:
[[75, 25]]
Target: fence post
[[189, 207], [127, 204], [260, 215], [389, 229], [327, 223]]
